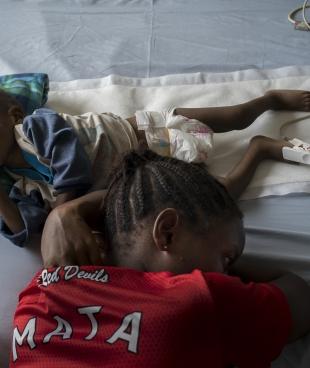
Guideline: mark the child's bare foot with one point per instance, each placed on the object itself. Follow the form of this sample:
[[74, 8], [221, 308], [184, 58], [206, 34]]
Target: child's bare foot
[[286, 99], [269, 148]]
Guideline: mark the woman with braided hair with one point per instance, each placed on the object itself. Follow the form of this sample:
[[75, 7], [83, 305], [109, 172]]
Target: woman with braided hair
[[168, 294]]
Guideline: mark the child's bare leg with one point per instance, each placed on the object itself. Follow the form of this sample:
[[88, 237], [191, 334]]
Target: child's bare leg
[[140, 134], [227, 118], [260, 148]]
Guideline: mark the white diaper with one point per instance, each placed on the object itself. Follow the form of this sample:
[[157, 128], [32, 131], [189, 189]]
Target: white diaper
[[175, 135]]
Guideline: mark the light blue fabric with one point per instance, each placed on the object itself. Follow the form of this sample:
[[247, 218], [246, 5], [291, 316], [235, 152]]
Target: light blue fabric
[[29, 89], [145, 38], [39, 171]]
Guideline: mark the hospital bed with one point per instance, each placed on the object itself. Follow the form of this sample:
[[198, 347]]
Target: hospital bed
[[219, 41]]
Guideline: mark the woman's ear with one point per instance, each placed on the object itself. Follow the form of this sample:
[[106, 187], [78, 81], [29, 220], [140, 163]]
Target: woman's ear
[[165, 228], [102, 243]]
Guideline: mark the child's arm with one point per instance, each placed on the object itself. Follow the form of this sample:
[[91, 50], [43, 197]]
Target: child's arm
[[67, 236], [10, 213]]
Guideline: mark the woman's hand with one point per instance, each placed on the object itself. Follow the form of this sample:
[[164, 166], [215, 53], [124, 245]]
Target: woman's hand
[[68, 239]]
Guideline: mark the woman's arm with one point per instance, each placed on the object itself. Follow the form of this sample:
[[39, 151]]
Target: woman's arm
[[68, 236], [65, 197], [294, 288]]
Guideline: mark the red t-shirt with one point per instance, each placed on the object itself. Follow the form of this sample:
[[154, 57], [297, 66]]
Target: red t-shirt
[[113, 317]]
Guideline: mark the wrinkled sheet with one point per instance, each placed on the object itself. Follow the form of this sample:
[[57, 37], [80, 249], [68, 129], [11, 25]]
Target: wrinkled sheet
[[73, 39]]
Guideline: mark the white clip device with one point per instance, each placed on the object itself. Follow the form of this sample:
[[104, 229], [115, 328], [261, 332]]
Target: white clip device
[[299, 153], [302, 25]]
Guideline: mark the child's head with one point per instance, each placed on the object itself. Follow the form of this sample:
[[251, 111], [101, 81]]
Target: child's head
[[10, 114], [10, 109], [162, 214], [8, 101]]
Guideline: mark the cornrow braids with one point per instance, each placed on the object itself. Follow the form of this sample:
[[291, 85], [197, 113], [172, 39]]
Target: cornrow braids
[[146, 182]]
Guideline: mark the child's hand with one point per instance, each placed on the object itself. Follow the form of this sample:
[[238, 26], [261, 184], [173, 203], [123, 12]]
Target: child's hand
[[68, 240]]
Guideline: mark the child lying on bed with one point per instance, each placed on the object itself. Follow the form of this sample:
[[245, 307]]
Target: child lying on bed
[[163, 299], [56, 157]]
